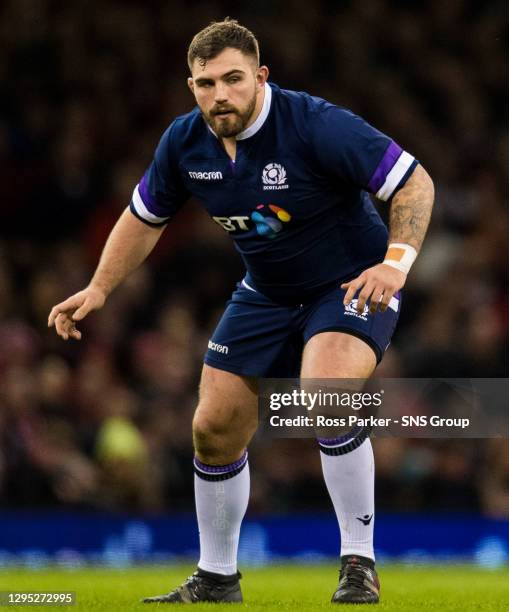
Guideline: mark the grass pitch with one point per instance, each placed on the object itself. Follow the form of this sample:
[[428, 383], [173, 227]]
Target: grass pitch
[[288, 587]]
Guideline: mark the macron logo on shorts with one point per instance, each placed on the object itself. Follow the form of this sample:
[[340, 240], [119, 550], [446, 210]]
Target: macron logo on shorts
[[220, 348], [207, 176]]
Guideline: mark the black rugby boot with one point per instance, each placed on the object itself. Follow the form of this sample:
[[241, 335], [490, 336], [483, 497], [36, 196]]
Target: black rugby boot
[[203, 586], [358, 581]]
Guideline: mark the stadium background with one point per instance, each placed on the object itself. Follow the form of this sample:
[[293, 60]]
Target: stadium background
[[102, 427]]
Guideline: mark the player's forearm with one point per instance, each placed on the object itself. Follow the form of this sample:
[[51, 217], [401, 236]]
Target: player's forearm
[[128, 245], [411, 210]]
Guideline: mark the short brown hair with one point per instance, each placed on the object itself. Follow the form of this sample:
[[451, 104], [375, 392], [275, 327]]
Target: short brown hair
[[218, 36]]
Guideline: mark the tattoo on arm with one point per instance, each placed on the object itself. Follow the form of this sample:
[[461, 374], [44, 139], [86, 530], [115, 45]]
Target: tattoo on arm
[[411, 209]]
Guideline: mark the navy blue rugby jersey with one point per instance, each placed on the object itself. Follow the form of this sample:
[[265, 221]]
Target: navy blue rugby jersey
[[295, 200]]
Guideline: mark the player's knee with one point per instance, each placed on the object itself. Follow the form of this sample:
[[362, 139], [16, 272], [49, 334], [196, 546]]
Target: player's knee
[[212, 442], [203, 432]]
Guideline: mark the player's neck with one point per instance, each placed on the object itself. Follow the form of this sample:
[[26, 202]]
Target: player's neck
[[230, 144]]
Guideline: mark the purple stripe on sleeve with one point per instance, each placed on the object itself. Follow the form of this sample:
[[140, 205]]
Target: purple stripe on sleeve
[[144, 192], [220, 469], [390, 157]]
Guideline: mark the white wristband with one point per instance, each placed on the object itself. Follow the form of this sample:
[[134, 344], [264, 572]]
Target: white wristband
[[400, 256]]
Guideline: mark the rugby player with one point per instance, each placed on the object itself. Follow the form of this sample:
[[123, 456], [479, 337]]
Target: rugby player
[[287, 175]]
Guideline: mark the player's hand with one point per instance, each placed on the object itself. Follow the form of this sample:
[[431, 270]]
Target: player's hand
[[75, 308], [376, 285]]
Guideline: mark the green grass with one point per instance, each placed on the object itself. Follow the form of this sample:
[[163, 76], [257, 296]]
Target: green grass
[[288, 587]]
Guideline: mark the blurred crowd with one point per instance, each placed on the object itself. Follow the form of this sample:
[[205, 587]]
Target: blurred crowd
[[85, 92]]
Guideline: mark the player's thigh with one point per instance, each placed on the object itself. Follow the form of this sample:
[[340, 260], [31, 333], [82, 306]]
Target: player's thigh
[[339, 356], [227, 409], [343, 343], [334, 354]]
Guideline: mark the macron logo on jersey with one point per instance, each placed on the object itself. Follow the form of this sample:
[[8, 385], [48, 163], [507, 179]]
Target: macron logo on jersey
[[207, 176], [220, 348], [274, 177]]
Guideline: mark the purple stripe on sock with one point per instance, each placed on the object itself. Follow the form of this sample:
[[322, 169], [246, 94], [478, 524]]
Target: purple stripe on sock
[[220, 469], [390, 157], [347, 437]]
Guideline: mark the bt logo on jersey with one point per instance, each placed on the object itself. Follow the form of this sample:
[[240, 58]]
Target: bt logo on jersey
[[266, 223], [270, 226], [232, 224]]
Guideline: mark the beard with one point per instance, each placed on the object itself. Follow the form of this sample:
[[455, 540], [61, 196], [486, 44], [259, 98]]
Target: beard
[[232, 124]]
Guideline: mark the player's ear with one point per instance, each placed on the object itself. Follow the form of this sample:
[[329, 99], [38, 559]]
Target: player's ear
[[190, 84], [262, 74]]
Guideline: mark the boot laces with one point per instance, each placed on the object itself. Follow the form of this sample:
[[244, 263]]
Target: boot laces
[[354, 576]]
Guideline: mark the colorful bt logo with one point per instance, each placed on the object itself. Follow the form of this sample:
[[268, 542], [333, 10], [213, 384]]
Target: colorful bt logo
[[266, 224], [270, 226]]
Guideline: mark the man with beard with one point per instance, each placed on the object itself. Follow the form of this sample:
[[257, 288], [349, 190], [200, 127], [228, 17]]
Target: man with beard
[[287, 175]]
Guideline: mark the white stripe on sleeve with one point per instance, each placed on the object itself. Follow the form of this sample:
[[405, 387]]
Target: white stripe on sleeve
[[244, 284], [143, 211], [398, 171]]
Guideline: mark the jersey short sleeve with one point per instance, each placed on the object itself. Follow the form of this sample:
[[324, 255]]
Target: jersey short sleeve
[[355, 152], [160, 192]]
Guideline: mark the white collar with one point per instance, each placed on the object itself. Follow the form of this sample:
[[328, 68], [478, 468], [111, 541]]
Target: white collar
[[259, 121]]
